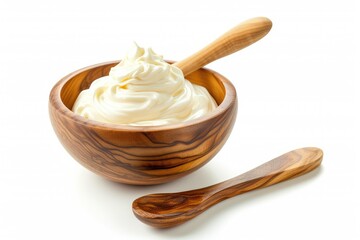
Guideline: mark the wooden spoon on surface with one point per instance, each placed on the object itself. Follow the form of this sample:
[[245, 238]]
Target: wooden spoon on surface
[[241, 36], [170, 209]]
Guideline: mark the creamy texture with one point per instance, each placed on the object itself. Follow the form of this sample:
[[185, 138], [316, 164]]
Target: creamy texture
[[143, 90]]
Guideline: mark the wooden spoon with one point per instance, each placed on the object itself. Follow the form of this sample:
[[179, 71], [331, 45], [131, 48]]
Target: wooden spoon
[[170, 209], [241, 36]]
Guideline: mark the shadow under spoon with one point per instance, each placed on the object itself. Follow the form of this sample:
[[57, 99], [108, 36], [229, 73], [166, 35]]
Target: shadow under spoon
[[165, 210]]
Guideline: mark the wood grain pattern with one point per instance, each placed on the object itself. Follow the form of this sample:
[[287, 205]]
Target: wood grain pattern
[[241, 36], [141, 155], [171, 209]]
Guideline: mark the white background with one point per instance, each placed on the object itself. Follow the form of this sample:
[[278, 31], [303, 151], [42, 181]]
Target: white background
[[297, 87]]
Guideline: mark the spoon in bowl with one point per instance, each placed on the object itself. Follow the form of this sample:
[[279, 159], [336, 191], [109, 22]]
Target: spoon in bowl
[[165, 210], [241, 36]]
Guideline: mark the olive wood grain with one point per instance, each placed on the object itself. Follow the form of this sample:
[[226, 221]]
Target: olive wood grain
[[241, 36], [141, 155], [170, 209]]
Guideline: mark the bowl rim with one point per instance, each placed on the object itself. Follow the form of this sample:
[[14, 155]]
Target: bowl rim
[[56, 102]]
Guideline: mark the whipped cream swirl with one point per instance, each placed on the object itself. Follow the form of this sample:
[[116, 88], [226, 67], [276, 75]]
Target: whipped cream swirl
[[143, 90]]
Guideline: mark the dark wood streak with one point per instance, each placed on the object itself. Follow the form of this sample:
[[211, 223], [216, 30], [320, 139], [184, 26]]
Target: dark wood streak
[[141, 155], [170, 209]]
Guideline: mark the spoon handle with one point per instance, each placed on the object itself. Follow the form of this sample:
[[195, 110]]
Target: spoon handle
[[284, 167], [170, 209], [241, 36]]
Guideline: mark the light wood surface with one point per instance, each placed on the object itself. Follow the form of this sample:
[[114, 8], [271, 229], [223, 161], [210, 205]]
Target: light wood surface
[[241, 36], [170, 209], [141, 155]]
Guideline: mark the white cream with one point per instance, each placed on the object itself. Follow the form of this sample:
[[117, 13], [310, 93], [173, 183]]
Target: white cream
[[143, 90]]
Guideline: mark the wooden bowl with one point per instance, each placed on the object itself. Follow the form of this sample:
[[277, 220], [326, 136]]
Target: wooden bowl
[[141, 155]]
